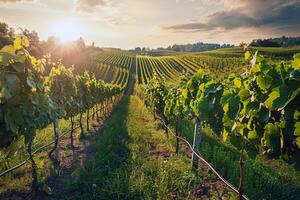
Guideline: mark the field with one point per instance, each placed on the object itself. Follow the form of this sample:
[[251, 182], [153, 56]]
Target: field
[[149, 100], [116, 116]]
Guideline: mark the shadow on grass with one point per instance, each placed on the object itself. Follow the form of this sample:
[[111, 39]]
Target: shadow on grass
[[105, 174]]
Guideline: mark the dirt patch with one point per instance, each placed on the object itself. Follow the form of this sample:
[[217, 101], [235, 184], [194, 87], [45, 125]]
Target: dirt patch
[[70, 160], [61, 174], [159, 150]]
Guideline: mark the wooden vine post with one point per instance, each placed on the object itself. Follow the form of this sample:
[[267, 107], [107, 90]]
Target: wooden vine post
[[177, 136], [241, 186], [87, 120], [196, 143], [54, 149], [80, 122], [35, 184], [71, 132]]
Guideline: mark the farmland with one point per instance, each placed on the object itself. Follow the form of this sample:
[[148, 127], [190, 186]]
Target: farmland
[[119, 68]]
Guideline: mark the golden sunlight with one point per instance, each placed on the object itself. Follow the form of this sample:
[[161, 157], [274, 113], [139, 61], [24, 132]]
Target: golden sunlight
[[67, 31]]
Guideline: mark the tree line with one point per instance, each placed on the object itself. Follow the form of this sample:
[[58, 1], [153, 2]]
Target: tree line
[[277, 42]]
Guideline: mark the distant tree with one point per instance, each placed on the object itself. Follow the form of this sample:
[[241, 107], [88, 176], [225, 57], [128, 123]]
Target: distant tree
[[243, 44], [138, 49], [3, 28], [34, 40], [276, 42], [5, 39], [50, 45], [80, 44]]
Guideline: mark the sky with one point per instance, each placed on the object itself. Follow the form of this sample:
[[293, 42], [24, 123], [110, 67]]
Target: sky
[[154, 23]]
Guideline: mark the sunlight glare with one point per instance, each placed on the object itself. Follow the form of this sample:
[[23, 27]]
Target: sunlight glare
[[67, 31]]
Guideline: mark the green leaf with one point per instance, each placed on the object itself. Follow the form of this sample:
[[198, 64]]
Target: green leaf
[[185, 92], [29, 136], [297, 129], [295, 74], [234, 108], [19, 67], [296, 56], [237, 82], [280, 97], [254, 105], [6, 58], [264, 114], [25, 42], [247, 55], [225, 136], [244, 94], [30, 82], [264, 81], [298, 141], [11, 86], [272, 138], [8, 49], [274, 95], [296, 62], [13, 119], [297, 114], [252, 135], [18, 43]]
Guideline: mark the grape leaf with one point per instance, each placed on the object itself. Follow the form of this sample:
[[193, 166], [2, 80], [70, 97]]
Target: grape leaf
[[264, 81], [272, 138], [18, 43], [247, 55]]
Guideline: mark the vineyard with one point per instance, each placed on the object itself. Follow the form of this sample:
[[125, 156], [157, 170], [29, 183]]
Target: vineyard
[[235, 113]]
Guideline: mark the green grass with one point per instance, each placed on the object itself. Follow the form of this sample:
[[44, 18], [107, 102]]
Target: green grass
[[125, 165], [20, 179], [272, 179]]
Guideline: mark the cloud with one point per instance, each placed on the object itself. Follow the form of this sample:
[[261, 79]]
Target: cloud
[[12, 1], [276, 14], [90, 5]]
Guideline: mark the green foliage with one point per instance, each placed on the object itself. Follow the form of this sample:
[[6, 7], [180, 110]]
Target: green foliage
[[155, 94], [260, 112], [263, 178], [29, 100], [254, 111], [24, 104]]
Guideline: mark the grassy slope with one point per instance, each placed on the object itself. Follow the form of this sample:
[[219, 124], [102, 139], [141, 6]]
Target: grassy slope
[[274, 52], [133, 160]]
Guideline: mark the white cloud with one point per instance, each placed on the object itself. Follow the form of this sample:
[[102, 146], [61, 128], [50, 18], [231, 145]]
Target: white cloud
[[90, 5]]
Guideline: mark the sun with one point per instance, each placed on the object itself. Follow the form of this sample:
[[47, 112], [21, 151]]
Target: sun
[[67, 31]]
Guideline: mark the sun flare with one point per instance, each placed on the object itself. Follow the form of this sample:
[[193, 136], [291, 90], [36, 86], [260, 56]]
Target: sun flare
[[67, 31]]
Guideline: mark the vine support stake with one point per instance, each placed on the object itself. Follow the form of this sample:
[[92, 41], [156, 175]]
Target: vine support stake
[[56, 136], [80, 122], [93, 115], [33, 166], [241, 188], [87, 120], [177, 137], [196, 143], [71, 133], [97, 112]]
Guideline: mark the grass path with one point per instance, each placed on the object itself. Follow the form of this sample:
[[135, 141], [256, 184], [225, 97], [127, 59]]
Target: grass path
[[134, 159]]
